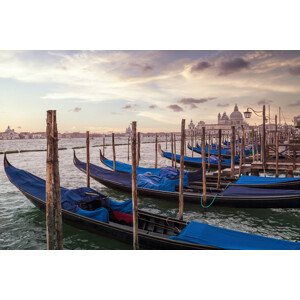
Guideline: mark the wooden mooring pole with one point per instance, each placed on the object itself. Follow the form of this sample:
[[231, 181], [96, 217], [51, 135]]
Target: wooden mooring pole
[[88, 159], [203, 167], [276, 147], [181, 176], [54, 233], [128, 146], [219, 159], [172, 149], [134, 187], [156, 150], [103, 145], [175, 151], [138, 149], [166, 141], [208, 153], [113, 150], [263, 146], [253, 145], [232, 151]]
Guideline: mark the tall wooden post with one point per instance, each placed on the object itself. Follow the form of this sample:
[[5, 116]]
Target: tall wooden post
[[166, 141], [263, 146], [276, 147], [138, 149], [53, 200], [219, 159], [128, 147], [208, 153], [181, 178], [232, 151], [253, 145], [203, 167], [103, 145], [88, 159], [192, 141], [156, 150], [134, 187], [172, 149], [113, 150], [175, 151]]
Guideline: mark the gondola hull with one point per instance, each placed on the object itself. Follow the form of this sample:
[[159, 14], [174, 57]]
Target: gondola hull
[[121, 182]]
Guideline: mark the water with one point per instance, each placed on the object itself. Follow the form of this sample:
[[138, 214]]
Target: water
[[22, 226]]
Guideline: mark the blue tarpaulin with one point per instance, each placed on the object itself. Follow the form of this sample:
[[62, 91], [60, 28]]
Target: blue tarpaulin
[[263, 180], [204, 234], [167, 181], [127, 168], [70, 198]]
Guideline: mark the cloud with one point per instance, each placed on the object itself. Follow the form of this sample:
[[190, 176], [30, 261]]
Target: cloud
[[200, 66], [189, 101], [264, 102], [223, 104], [175, 107], [153, 106], [295, 104], [76, 109], [128, 106], [295, 71], [192, 106], [232, 66]]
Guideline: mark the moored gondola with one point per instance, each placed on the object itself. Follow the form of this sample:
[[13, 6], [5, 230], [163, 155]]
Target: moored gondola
[[85, 208], [196, 162], [232, 196], [195, 177]]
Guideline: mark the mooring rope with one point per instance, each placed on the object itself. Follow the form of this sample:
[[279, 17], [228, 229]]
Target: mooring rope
[[211, 203]]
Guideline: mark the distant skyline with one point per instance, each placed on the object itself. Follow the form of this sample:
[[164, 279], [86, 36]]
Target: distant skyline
[[104, 91]]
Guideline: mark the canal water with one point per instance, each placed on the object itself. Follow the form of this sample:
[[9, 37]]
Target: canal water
[[22, 226]]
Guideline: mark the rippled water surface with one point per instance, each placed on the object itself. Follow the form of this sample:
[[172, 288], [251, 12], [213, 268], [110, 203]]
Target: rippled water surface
[[22, 226]]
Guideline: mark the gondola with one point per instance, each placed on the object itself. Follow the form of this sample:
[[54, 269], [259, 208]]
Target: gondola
[[195, 177], [85, 208], [196, 162], [232, 196]]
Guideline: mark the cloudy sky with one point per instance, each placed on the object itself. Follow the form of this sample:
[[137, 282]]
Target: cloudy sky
[[104, 91]]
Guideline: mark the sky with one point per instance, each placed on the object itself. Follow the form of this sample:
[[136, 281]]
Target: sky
[[104, 91]]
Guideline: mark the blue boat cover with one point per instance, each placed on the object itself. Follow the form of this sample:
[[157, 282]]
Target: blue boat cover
[[127, 168], [168, 180], [198, 160], [236, 190], [204, 234], [70, 198], [263, 180]]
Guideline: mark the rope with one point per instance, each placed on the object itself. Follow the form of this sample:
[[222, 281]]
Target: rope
[[211, 203]]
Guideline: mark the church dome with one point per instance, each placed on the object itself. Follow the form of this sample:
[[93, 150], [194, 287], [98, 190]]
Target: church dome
[[236, 114], [225, 117]]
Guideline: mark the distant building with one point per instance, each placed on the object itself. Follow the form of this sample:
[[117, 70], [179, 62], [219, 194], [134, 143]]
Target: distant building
[[128, 130], [224, 122], [9, 134]]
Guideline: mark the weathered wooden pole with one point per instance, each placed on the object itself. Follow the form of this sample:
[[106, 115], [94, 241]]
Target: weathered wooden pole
[[276, 147], [175, 152], [256, 146], [263, 146], [203, 167], [113, 150], [128, 147], [166, 141], [88, 159], [156, 150], [208, 153], [192, 141], [232, 151], [181, 178], [134, 156], [219, 159], [172, 149], [53, 200], [103, 145], [139, 148], [253, 145]]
